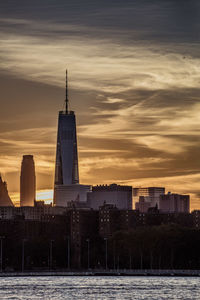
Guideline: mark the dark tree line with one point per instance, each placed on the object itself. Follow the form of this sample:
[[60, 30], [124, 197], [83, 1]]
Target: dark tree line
[[159, 247]]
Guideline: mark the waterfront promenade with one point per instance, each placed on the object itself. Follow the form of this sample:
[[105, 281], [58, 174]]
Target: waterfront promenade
[[104, 273]]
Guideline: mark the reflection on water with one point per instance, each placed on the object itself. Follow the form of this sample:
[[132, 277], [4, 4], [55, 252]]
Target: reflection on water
[[76, 287]]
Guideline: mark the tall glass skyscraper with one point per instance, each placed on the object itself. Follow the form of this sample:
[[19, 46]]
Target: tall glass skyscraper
[[66, 185], [66, 171], [27, 181]]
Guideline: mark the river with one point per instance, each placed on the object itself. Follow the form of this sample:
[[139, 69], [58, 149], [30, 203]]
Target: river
[[99, 287]]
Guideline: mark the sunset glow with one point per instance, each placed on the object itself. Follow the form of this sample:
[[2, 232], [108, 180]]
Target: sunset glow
[[134, 88]]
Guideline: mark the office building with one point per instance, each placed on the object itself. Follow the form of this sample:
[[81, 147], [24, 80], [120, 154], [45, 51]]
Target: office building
[[196, 218], [65, 194], [66, 186], [118, 195], [149, 195], [27, 181], [4, 197], [174, 203], [144, 204]]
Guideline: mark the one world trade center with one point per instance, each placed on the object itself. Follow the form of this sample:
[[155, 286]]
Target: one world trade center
[[66, 185], [66, 171]]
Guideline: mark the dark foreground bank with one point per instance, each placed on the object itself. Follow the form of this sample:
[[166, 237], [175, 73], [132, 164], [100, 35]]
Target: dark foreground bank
[[106, 273]]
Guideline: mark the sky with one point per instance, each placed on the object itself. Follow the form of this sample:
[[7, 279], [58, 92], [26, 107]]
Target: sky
[[134, 83]]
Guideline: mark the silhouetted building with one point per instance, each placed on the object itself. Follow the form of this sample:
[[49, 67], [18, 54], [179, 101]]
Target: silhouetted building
[[38, 212], [143, 205], [63, 194], [67, 187], [77, 205], [66, 172], [156, 219], [112, 219], [174, 203], [37, 237], [150, 195], [7, 212], [196, 218], [117, 195], [84, 228], [108, 220], [4, 197], [27, 181], [130, 219]]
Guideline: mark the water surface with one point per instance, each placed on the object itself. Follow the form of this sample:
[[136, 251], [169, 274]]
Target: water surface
[[103, 287]]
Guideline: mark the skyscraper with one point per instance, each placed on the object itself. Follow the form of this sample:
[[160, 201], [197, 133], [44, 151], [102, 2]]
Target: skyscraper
[[27, 181], [66, 171], [66, 185], [4, 197]]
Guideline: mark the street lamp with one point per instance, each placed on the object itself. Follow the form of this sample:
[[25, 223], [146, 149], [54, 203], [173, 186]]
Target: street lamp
[[106, 240], [88, 242], [68, 251], [51, 254], [1, 238], [114, 258], [130, 260], [23, 242]]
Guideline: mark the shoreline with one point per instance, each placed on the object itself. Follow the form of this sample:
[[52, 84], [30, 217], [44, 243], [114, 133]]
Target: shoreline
[[164, 273]]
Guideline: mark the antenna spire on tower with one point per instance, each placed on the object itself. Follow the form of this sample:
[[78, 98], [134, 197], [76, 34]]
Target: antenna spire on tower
[[66, 99]]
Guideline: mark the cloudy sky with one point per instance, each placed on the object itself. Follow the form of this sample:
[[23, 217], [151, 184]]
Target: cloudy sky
[[134, 79]]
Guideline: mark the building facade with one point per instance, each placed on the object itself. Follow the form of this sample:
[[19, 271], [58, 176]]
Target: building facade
[[144, 204], [174, 203], [4, 197], [66, 186], [66, 170], [117, 195], [27, 181], [149, 195], [65, 194], [196, 218]]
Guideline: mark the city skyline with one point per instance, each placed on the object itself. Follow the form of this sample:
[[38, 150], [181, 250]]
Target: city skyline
[[134, 86]]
